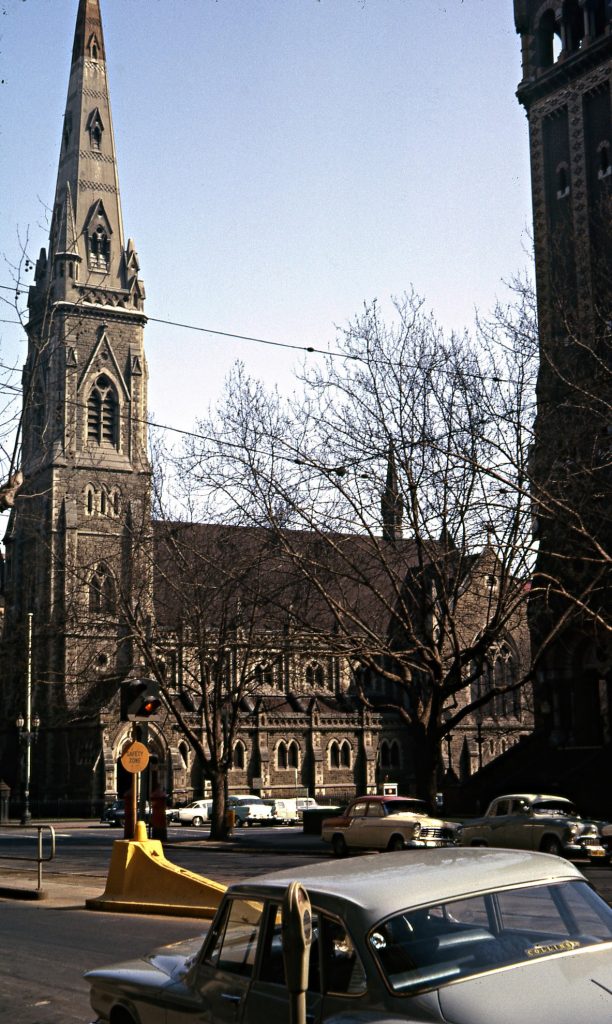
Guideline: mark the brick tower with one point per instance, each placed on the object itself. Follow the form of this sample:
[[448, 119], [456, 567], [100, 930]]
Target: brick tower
[[566, 91], [78, 534]]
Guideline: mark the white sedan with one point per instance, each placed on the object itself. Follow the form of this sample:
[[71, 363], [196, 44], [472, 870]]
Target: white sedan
[[195, 813], [467, 936]]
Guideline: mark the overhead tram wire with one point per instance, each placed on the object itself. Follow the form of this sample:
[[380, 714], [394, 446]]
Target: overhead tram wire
[[309, 349]]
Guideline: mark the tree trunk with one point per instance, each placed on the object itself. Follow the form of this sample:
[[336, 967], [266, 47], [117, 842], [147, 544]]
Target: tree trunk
[[218, 823], [426, 764]]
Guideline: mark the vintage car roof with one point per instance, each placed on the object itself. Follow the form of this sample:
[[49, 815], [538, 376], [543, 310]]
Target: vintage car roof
[[378, 798], [396, 881], [533, 796]]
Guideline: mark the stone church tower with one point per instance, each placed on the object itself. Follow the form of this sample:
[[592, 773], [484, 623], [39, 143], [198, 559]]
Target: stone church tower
[[80, 528], [567, 93]]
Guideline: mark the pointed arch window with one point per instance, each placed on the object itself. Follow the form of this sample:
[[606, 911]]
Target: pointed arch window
[[102, 413], [101, 592], [315, 675], [239, 755], [264, 675], [548, 39], [288, 755], [99, 249], [340, 754], [93, 47], [90, 500], [95, 128]]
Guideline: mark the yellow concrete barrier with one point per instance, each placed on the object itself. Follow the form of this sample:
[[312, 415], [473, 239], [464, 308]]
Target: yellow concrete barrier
[[141, 881]]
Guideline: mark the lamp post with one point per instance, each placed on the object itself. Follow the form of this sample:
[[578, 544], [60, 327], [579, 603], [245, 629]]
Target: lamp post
[[28, 730]]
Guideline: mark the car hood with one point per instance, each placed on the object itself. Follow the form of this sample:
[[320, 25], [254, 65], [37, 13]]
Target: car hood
[[564, 989]]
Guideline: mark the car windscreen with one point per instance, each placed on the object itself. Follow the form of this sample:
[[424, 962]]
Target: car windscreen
[[405, 807], [432, 946], [555, 807]]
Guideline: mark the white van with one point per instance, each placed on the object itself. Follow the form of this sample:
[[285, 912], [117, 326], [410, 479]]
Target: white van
[[284, 811]]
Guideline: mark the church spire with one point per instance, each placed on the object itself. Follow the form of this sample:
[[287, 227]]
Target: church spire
[[392, 506], [88, 37], [87, 260]]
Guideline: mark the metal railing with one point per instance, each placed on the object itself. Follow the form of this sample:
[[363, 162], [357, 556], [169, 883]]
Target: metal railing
[[39, 859]]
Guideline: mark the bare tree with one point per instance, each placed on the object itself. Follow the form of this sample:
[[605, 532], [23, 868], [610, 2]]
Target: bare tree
[[407, 457]]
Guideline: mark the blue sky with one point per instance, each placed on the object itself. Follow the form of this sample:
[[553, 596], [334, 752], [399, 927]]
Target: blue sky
[[281, 162]]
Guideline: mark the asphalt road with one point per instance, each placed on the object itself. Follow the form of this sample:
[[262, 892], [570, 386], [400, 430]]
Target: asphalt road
[[45, 946]]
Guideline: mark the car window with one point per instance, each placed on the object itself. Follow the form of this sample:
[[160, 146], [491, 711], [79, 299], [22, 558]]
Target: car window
[[235, 941], [341, 968], [358, 810], [432, 946], [333, 956], [520, 807], [503, 807], [376, 810]]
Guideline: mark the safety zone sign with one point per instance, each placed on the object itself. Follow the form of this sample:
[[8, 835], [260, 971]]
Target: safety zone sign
[[135, 758]]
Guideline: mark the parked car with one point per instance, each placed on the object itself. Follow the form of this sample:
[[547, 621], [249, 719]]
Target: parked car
[[463, 935], [284, 811], [535, 821], [114, 814], [196, 813], [386, 823], [250, 810], [306, 803]]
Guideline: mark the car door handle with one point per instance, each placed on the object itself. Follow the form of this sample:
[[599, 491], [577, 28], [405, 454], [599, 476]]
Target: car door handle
[[230, 997]]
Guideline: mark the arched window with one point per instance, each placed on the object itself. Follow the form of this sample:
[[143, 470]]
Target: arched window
[[264, 675], [384, 755], [99, 250], [573, 25], [101, 592], [239, 755], [184, 754], [345, 754], [334, 754], [293, 755], [89, 500], [102, 413], [315, 675], [103, 502], [547, 40]]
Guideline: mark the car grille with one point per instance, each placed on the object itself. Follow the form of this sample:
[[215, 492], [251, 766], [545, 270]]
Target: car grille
[[589, 840], [446, 835]]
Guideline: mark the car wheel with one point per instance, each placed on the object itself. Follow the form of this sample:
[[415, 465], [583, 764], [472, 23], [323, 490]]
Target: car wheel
[[197, 822], [550, 844], [395, 843], [339, 847]]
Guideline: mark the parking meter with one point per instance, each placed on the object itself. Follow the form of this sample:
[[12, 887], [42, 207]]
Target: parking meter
[[297, 935]]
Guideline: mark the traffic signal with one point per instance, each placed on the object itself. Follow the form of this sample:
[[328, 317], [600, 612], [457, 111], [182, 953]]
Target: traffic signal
[[140, 700]]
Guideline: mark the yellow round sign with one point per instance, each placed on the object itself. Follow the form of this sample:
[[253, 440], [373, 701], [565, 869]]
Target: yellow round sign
[[135, 758]]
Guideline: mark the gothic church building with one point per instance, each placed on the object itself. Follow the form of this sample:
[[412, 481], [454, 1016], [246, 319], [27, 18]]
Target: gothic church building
[[80, 534]]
